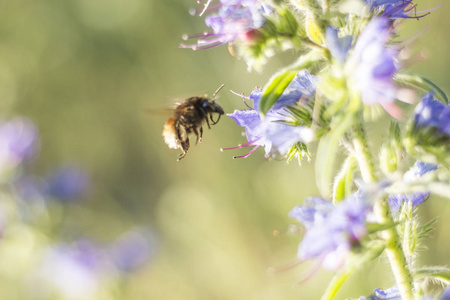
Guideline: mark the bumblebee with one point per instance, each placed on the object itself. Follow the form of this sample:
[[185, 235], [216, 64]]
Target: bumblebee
[[188, 118]]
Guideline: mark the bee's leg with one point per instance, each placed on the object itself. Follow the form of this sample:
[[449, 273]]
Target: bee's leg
[[184, 149], [207, 122], [199, 137], [201, 134], [214, 122]]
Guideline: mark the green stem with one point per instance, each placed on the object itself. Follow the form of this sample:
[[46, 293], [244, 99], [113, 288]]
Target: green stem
[[363, 155], [382, 211], [335, 285]]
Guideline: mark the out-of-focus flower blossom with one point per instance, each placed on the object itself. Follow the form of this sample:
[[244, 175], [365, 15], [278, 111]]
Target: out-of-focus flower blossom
[[274, 131], [70, 271], [378, 294], [131, 250], [68, 183], [372, 64], [235, 19], [392, 293], [18, 143], [338, 46], [332, 231], [432, 114], [416, 171], [446, 294]]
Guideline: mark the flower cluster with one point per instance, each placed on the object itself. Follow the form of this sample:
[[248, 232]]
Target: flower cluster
[[349, 64], [233, 20], [277, 131], [332, 231], [418, 170], [81, 269]]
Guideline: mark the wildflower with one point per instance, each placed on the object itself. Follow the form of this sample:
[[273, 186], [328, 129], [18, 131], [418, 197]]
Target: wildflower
[[378, 294], [235, 19], [275, 131], [369, 66], [133, 249], [18, 143], [396, 9], [68, 183], [372, 65], [432, 114], [72, 271], [417, 171], [332, 231]]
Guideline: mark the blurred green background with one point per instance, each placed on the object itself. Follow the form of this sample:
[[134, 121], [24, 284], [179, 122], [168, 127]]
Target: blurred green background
[[87, 72]]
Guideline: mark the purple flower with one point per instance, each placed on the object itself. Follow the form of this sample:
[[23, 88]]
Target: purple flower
[[133, 249], [446, 294], [273, 131], [372, 65], [396, 9], [72, 271], [389, 294], [235, 19], [18, 143], [332, 231], [68, 183], [413, 174], [432, 114], [338, 47]]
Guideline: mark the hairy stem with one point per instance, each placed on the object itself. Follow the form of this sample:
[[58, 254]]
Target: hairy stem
[[382, 211]]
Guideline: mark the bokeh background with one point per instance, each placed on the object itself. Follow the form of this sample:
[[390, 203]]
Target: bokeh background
[[87, 73]]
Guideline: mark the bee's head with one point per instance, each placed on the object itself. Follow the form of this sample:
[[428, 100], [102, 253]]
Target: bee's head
[[212, 107]]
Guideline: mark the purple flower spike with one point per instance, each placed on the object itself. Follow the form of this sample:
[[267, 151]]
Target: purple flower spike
[[332, 231], [273, 131]]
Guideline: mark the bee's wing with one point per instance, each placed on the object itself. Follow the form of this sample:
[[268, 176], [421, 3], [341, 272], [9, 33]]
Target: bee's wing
[[159, 111]]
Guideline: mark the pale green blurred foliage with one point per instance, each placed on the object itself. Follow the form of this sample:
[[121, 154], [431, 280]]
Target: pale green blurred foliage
[[87, 72]]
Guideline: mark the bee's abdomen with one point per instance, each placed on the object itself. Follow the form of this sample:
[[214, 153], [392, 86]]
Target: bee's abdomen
[[170, 134]]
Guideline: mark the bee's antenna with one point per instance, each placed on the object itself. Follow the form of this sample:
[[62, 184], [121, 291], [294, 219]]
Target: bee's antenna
[[218, 90]]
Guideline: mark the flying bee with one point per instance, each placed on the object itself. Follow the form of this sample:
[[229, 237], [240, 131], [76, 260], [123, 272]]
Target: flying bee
[[188, 118]]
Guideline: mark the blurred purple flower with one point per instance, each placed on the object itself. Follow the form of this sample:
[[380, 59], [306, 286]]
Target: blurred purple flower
[[331, 231], [373, 65], [389, 294], [72, 271], [446, 294], [235, 19], [430, 113], [338, 46], [273, 131], [131, 250], [418, 170], [19, 143], [397, 9], [68, 183]]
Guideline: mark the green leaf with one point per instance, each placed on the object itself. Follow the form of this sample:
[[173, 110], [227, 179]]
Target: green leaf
[[436, 272], [327, 153], [375, 227], [343, 182], [420, 83], [281, 80], [274, 89]]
